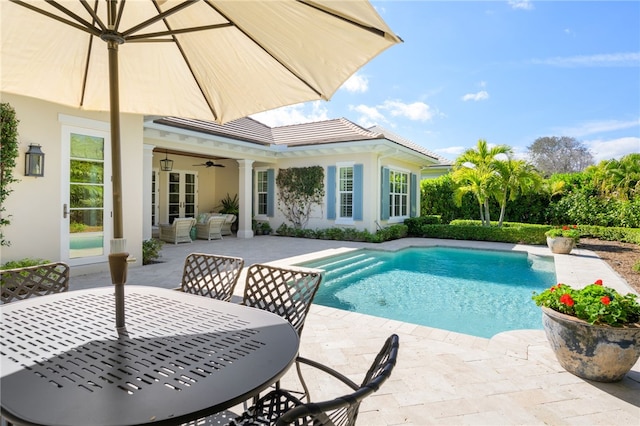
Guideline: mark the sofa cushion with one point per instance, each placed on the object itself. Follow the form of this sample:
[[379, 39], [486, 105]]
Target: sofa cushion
[[203, 217]]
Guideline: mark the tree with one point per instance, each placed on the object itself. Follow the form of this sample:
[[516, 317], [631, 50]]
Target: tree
[[475, 172], [553, 154], [619, 178], [299, 189], [514, 177]]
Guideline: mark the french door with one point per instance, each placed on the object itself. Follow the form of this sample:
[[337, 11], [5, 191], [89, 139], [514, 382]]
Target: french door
[[86, 200], [182, 194]]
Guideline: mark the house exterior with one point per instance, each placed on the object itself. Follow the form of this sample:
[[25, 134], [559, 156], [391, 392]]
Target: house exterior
[[371, 177]]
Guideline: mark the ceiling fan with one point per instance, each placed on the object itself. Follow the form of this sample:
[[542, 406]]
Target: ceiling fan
[[209, 163]]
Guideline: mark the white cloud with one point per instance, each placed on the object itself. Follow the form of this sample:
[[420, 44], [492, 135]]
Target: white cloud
[[614, 148], [450, 152], [357, 83], [416, 111], [630, 59], [293, 114], [480, 96], [378, 114], [369, 116], [521, 4], [601, 126]]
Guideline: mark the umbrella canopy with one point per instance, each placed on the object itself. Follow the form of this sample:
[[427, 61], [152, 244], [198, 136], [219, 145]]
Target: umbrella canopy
[[211, 59]]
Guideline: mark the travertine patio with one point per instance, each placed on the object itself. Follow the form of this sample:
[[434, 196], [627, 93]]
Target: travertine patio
[[442, 377]]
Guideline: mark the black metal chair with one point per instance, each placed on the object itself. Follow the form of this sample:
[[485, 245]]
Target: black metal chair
[[287, 292], [39, 280], [211, 275], [280, 407]]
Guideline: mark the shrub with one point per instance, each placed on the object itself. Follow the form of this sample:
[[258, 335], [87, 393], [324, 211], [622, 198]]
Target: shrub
[[151, 250], [23, 263]]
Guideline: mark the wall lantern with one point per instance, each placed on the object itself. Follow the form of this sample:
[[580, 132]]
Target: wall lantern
[[34, 161], [166, 165]]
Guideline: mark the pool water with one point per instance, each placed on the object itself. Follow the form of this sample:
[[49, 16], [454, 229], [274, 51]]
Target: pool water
[[469, 291]]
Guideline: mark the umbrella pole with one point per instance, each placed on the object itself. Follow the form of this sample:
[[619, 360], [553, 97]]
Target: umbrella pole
[[118, 256]]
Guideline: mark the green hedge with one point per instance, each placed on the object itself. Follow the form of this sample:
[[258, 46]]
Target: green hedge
[[392, 232], [627, 235], [519, 233]]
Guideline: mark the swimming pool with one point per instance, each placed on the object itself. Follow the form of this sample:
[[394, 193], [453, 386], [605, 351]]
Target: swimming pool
[[469, 291]]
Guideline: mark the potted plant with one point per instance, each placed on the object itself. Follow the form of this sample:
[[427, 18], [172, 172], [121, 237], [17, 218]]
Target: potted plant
[[563, 239], [266, 228], [230, 205], [594, 331]]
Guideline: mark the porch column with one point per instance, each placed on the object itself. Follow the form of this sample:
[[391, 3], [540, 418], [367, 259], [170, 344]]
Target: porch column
[[245, 194], [147, 169]]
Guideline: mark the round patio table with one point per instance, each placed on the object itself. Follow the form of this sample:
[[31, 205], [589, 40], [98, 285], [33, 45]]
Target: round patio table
[[183, 357]]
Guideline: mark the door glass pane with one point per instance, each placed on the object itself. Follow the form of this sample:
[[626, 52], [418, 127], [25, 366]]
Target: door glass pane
[[86, 196], [174, 196], [190, 195]]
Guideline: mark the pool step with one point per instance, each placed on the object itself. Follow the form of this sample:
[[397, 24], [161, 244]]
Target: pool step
[[347, 266], [361, 269]]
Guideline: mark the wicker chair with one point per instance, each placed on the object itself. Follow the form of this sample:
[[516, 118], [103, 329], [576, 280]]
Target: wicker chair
[[281, 407], [211, 229], [211, 275], [179, 231], [39, 280], [228, 222], [284, 291]]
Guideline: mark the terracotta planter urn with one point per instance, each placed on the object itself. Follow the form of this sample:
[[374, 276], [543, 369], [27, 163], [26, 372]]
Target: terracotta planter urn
[[595, 352], [561, 245]]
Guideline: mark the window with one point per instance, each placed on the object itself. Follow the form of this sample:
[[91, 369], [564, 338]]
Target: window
[[345, 192], [262, 186], [398, 194]]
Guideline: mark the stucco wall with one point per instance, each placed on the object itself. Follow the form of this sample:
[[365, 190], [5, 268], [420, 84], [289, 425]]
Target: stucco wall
[[35, 206], [371, 162]]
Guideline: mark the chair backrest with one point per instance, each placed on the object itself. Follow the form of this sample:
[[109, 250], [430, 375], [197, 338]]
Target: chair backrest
[[39, 280], [217, 220], [211, 275], [343, 411], [182, 224], [287, 292]]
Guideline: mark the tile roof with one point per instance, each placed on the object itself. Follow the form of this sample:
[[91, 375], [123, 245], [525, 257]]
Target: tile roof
[[321, 132], [245, 129], [406, 142], [304, 134]]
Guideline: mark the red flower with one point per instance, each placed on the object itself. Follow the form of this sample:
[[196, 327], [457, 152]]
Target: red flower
[[566, 299], [565, 228], [605, 300], [598, 282]]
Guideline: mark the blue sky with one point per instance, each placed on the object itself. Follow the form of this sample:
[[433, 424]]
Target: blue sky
[[504, 71]]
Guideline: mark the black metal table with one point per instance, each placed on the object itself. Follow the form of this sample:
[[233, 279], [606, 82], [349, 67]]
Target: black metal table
[[184, 357]]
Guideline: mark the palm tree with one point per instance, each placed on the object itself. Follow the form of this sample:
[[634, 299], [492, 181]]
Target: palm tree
[[514, 177], [475, 172], [622, 178]]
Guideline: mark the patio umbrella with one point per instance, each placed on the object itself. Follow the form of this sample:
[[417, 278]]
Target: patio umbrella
[[212, 59]]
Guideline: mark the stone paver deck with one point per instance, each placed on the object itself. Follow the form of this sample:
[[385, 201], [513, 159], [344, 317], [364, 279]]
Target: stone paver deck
[[442, 377]]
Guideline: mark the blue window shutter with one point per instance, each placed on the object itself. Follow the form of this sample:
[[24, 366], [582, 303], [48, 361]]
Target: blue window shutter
[[357, 191], [384, 194], [331, 192], [413, 202], [271, 192]]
